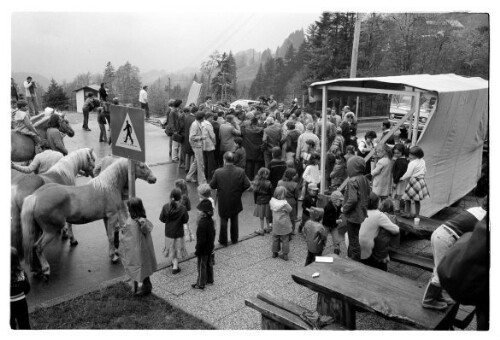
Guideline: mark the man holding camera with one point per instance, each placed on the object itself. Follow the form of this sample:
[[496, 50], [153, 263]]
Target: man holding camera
[[30, 87]]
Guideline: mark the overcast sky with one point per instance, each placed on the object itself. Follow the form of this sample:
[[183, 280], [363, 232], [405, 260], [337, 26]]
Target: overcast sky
[[61, 45]]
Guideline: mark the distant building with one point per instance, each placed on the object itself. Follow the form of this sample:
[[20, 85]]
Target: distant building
[[81, 95]]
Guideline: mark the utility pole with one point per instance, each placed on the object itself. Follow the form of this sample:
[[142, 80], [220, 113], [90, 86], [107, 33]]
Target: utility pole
[[355, 45], [169, 88]]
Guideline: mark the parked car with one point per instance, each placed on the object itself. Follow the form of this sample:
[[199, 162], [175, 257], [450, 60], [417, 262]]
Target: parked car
[[245, 103], [401, 105]]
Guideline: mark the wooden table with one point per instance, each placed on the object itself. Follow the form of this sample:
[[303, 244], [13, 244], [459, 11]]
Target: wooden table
[[346, 285]]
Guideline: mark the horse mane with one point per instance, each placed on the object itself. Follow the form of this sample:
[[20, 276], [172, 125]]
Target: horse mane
[[110, 177], [67, 166]]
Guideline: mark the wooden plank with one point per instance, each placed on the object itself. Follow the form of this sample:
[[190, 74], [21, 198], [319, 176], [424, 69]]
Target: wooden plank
[[385, 294], [282, 303], [464, 316], [287, 319], [425, 228], [411, 259]]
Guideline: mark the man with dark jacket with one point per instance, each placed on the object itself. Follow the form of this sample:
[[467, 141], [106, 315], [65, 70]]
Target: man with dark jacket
[[356, 198], [230, 182], [252, 142], [271, 139]]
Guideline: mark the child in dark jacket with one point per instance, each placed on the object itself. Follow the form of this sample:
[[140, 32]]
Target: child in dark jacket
[[19, 287], [276, 167], [332, 220], [316, 235], [356, 198], [205, 238], [398, 170], [175, 216], [262, 193], [310, 201]]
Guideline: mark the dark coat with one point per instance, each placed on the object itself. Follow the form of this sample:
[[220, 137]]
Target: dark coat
[[230, 182], [262, 193], [357, 191], [205, 236], [174, 219], [184, 131], [252, 141], [277, 168]]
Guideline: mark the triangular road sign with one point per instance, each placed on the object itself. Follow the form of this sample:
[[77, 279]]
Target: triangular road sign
[[127, 137]]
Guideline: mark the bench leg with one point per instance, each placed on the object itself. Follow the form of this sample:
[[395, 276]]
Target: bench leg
[[342, 312]]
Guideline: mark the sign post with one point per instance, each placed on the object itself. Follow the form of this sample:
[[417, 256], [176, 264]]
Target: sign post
[[127, 138]]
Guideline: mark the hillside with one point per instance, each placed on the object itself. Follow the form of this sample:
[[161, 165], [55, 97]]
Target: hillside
[[20, 77]]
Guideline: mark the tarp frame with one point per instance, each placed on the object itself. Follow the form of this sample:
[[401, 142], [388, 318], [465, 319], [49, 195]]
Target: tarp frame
[[453, 136]]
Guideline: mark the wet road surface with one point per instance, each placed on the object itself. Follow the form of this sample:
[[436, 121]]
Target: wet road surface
[[87, 264]]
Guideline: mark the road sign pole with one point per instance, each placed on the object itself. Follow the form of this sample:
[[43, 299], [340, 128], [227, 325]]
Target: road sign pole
[[131, 178]]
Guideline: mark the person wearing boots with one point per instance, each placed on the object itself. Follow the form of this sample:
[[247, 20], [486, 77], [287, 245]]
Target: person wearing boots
[[136, 247], [442, 239]]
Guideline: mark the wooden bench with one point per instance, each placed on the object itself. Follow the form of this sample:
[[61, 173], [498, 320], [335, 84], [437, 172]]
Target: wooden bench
[[345, 286], [281, 314], [464, 316], [421, 262], [424, 230]]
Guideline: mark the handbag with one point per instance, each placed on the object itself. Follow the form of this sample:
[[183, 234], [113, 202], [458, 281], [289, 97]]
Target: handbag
[[177, 137]]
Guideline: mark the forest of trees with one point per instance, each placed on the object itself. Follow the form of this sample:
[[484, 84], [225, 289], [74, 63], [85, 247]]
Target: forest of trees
[[390, 44]]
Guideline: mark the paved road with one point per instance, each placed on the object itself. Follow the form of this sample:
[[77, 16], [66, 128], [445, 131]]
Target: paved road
[[87, 264]]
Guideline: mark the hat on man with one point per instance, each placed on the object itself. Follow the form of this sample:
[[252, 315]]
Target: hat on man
[[346, 108], [310, 126], [338, 129], [312, 186]]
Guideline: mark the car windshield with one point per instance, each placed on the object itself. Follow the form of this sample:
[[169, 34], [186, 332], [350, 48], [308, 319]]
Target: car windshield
[[401, 104]]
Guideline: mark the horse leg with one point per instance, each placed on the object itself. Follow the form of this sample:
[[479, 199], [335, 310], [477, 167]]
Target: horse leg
[[72, 239], [39, 246], [64, 232]]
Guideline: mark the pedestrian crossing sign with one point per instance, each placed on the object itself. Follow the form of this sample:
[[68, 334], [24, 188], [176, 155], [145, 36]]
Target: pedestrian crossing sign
[[127, 132]]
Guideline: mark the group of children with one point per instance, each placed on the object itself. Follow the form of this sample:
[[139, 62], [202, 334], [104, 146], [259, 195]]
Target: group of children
[[393, 178], [177, 231]]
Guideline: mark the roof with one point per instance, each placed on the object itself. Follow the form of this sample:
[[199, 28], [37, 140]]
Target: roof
[[94, 87], [431, 82]]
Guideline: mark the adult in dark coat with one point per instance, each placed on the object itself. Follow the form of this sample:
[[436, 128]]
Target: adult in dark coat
[[189, 118], [230, 182], [252, 142]]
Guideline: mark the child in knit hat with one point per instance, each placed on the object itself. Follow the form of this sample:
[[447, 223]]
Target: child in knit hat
[[205, 238]]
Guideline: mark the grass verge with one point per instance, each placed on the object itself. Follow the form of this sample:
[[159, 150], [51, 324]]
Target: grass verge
[[115, 307]]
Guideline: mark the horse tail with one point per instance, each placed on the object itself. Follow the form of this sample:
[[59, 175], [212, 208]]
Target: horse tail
[[29, 227]]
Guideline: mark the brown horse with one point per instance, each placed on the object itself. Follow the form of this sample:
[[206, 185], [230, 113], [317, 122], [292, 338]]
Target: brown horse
[[63, 172], [23, 147], [51, 206]]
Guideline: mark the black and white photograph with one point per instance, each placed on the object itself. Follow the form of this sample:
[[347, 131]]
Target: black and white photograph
[[248, 166]]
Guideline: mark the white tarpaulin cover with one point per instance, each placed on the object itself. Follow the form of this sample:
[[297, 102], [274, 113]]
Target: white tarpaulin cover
[[194, 93], [454, 136]]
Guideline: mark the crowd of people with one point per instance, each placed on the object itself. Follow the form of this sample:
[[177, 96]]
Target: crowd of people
[[275, 153]]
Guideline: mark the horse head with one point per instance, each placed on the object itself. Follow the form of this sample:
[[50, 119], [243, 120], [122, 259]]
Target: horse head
[[88, 168], [64, 125], [143, 171]]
